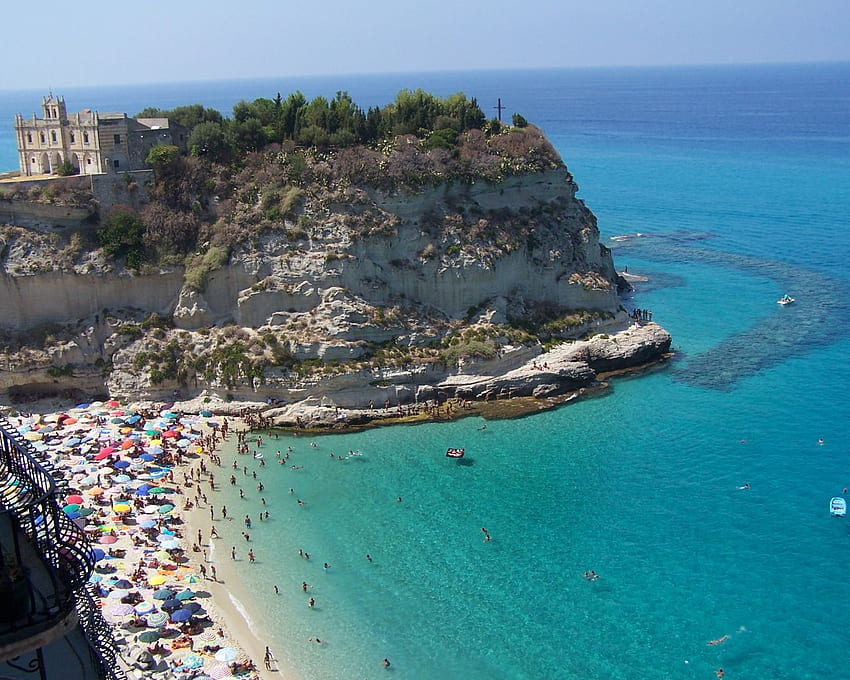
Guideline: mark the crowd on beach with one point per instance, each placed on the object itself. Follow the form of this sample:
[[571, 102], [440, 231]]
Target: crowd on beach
[[129, 476]]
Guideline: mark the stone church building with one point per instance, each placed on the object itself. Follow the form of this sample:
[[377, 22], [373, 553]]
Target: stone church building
[[93, 143]]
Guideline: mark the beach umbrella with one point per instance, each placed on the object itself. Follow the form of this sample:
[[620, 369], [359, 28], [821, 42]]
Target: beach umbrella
[[122, 479], [120, 610], [85, 512], [74, 498], [181, 615], [226, 654], [157, 580], [71, 507], [95, 491], [108, 539], [185, 595], [162, 555], [220, 671], [121, 464], [193, 607], [97, 554], [191, 578], [95, 578], [121, 508], [147, 524], [170, 544], [157, 619], [206, 414], [123, 583], [148, 636], [144, 608], [157, 490], [151, 508], [148, 457], [163, 594], [171, 605], [73, 515], [118, 593], [165, 509], [192, 661]]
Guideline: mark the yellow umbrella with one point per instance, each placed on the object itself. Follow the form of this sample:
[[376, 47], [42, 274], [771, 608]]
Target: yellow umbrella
[[162, 555], [157, 580], [121, 508]]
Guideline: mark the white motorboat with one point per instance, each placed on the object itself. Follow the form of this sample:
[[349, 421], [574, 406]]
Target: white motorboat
[[838, 507]]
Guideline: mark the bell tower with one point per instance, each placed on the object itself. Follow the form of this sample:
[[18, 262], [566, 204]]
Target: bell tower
[[53, 108]]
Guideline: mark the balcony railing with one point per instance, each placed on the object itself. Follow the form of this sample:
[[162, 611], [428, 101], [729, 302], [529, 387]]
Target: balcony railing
[[46, 557]]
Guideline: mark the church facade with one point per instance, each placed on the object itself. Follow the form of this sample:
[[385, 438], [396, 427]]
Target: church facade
[[91, 142]]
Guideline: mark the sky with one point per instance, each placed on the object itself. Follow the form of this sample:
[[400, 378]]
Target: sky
[[61, 44]]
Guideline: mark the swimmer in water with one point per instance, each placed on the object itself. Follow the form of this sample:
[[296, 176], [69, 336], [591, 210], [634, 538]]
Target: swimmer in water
[[718, 641], [745, 487]]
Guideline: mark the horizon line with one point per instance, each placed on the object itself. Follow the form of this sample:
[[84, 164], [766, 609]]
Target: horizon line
[[599, 67]]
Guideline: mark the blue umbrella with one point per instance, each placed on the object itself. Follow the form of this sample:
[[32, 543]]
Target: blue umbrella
[[98, 554], [163, 594], [141, 491], [147, 524], [147, 457], [181, 615], [171, 605], [193, 607], [121, 464], [122, 479], [123, 583], [185, 595]]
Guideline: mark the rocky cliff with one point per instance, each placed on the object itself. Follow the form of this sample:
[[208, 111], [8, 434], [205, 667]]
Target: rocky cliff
[[361, 293]]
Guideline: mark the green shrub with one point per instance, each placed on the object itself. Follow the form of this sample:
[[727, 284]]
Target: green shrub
[[199, 268]]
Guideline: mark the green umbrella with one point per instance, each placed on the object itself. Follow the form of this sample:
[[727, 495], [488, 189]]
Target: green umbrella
[[185, 595], [165, 509], [148, 636]]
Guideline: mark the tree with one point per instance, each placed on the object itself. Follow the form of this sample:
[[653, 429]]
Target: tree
[[519, 121], [65, 168], [162, 156], [122, 235], [208, 140]]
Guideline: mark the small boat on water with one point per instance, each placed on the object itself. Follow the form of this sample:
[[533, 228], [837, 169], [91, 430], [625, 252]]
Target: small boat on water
[[455, 453], [838, 507], [785, 300]]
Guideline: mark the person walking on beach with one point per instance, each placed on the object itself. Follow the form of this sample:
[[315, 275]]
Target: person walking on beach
[[233, 553], [267, 659], [251, 556], [214, 575]]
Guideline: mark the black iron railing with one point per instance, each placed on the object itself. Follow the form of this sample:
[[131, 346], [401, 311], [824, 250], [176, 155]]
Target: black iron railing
[[44, 557]]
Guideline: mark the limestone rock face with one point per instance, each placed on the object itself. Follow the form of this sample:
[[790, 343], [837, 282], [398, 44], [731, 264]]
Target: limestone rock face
[[423, 258]]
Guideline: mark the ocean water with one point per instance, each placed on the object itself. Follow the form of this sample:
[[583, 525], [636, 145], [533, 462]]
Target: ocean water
[[739, 179]]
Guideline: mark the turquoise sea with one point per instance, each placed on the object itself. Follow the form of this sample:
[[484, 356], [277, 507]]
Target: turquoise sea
[[739, 179]]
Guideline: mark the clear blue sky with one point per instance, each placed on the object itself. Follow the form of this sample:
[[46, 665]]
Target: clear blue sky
[[65, 44]]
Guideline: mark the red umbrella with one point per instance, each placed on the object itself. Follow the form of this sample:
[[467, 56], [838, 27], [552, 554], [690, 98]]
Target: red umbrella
[[170, 434], [75, 499]]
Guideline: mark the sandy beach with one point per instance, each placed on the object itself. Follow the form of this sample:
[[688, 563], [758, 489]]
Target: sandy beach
[[138, 480]]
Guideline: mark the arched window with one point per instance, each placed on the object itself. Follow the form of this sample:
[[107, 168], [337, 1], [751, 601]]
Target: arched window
[[53, 135], [85, 138], [72, 136], [29, 137], [41, 136]]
